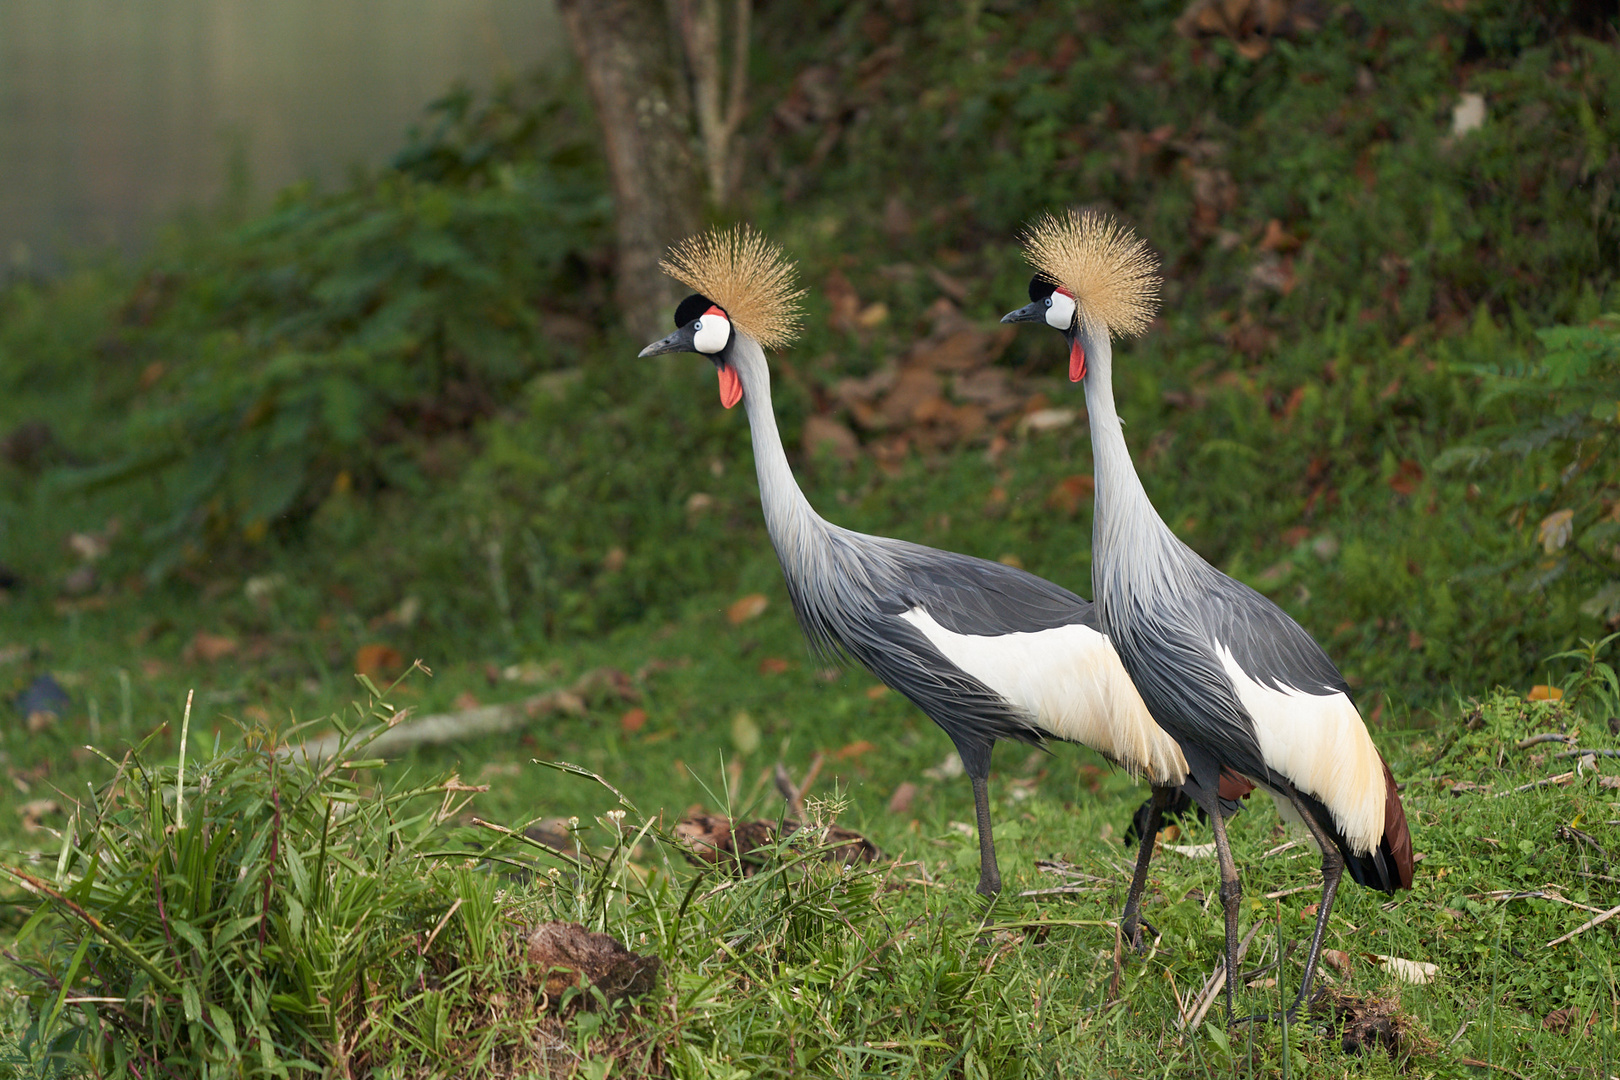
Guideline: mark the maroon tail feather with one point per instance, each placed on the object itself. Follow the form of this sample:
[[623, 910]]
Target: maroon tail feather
[[1396, 835]]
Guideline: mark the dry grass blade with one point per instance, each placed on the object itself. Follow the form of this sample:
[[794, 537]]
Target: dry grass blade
[[745, 274], [1111, 272], [1200, 1005]]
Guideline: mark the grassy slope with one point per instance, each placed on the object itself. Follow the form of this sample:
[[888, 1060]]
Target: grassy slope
[[1374, 345]]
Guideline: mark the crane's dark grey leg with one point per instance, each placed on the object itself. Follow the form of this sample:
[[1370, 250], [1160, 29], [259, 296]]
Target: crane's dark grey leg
[[1332, 869], [1129, 922], [1231, 895], [989, 872]]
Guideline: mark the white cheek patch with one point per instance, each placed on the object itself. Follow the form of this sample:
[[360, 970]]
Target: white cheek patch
[[712, 334], [1060, 316]]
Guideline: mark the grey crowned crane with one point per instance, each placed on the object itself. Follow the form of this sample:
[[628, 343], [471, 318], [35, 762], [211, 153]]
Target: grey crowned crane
[[1240, 685], [987, 651]]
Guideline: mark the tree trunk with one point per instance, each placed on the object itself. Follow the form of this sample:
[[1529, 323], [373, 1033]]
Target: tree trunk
[[638, 85], [719, 111]]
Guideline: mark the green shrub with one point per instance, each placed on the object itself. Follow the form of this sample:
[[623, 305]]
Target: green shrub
[[317, 348], [250, 913]]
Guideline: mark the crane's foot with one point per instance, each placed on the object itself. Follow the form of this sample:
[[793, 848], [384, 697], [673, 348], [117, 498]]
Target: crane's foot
[[1290, 1014], [1141, 943]]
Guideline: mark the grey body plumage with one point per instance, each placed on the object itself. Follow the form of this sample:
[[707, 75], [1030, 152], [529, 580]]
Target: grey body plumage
[[849, 591]]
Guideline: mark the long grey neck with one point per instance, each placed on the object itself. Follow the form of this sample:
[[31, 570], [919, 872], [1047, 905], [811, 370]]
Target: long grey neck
[[789, 518], [1133, 552]]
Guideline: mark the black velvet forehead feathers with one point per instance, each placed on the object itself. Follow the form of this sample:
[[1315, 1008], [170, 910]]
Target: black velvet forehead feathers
[[693, 307], [1040, 289]]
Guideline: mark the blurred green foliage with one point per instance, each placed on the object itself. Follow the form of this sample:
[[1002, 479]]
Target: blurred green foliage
[[1556, 466], [316, 347]]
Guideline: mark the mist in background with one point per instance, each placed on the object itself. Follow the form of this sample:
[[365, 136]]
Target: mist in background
[[115, 115]]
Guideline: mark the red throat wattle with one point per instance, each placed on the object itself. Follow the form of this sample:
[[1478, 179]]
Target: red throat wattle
[[1077, 361], [730, 386]]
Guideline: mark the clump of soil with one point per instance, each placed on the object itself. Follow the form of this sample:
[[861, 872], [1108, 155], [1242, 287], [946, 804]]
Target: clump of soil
[[570, 956], [1369, 1022]]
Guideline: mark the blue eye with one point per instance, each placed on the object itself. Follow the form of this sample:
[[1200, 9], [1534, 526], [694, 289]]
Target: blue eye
[[1048, 301], [697, 326]]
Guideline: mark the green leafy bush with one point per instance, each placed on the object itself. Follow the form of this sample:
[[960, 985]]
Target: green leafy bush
[[322, 345]]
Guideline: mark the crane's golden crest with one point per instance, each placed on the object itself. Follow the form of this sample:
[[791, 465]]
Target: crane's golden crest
[[1111, 272], [745, 274]]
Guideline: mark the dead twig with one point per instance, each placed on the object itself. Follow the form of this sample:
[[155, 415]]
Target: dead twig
[[1561, 778], [1067, 870], [1280, 893], [1534, 894], [1584, 927], [1544, 737], [1213, 985], [1489, 1065], [450, 727], [1586, 753], [794, 793]]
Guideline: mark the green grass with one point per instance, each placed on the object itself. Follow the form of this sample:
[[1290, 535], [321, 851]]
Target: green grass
[[807, 970]]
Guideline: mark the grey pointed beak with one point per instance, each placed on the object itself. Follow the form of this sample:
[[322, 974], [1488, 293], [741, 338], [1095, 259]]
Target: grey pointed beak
[[1027, 313], [673, 343]]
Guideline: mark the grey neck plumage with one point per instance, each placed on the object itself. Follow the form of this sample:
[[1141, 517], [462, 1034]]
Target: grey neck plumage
[[794, 526], [834, 576], [1134, 555]]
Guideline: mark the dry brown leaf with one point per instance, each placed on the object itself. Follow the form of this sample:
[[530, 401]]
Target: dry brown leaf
[[715, 840], [378, 662], [1278, 239], [1561, 1020], [34, 809], [1555, 530], [773, 665], [1545, 693], [1046, 420], [824, 434], [1069, 493], [904, 795], [1408, 475], [208, 648], [745, 608], [633, 720], [913, 391], [1339, 960], [854, 750], [842, 298], [872, 315], [1416, 972]]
